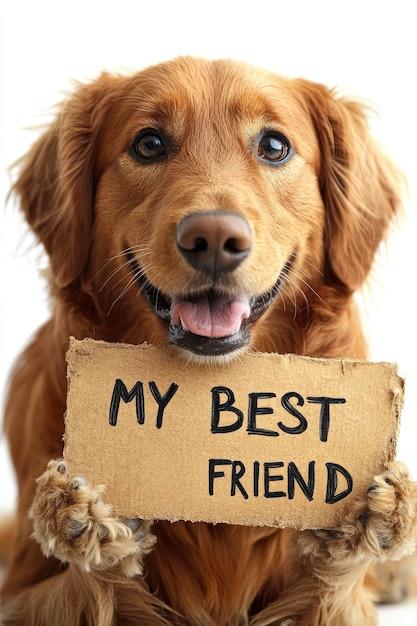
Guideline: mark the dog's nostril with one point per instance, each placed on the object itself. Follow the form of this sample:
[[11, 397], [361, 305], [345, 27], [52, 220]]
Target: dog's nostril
[[200, 245], [215, 241], [232, 245]]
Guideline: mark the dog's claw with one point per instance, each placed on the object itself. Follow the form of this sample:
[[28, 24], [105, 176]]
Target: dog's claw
[[134, 523], [62, 467]]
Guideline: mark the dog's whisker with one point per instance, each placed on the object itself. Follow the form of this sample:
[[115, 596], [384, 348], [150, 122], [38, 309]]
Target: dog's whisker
[[126, 264], [294, 301], [101, 269], [138, 278], [298, 287], [110, 260], [131, 282], [112, 275], [281, 295], [285, 292], [298, 275], [295, 287], [314, 267]]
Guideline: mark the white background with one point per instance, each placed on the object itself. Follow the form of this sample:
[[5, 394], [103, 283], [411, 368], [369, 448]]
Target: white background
[[367, 48]]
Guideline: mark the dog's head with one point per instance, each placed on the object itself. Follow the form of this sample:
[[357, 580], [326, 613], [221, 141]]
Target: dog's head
[[215, 191]]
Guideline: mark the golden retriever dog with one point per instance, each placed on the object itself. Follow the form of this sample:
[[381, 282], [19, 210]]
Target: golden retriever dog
[[219, 208]]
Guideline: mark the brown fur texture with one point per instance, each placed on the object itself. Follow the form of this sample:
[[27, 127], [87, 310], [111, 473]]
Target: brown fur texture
[[94, 207]]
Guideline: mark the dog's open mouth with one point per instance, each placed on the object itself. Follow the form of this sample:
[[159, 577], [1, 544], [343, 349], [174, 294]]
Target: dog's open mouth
[[208, 323]]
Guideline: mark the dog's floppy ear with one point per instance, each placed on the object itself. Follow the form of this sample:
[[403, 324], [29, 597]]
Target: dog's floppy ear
[[359, 185], [56, 181]]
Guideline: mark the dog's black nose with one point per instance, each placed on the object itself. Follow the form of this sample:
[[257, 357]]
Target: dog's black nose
[[215, 241]]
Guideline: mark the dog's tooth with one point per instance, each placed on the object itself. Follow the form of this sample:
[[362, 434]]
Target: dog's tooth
[[184, 326]]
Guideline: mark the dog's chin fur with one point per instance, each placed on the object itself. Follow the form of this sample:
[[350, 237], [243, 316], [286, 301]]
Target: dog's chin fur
[[86, 188]]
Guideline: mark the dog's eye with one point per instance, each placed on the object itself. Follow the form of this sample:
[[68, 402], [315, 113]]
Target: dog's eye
[[273, 148], [149, 145]]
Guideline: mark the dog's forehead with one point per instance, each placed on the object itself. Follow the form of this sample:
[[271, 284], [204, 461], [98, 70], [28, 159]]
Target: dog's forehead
[[194, 89]]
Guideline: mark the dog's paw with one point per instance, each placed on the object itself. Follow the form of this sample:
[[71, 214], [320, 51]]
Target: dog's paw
[[73, 523], [390, 517], [380, 526]]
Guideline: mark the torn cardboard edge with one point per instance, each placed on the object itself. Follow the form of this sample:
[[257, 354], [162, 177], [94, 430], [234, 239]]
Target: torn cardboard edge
[[269, 439]]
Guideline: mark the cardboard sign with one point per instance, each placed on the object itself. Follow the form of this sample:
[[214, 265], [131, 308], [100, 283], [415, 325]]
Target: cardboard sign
[[269, 439]]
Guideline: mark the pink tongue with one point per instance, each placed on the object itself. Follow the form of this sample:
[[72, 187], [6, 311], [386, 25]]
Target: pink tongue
[[210, 316]]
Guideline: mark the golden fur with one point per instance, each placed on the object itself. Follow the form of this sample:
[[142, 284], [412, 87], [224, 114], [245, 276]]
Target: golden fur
[[94, 207]]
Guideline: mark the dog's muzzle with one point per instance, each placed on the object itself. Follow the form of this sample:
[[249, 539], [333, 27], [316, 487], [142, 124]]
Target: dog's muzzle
[[211, 322]]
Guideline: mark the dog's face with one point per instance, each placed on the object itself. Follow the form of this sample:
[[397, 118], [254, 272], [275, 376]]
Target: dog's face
[[209, 198], [215, 192]]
